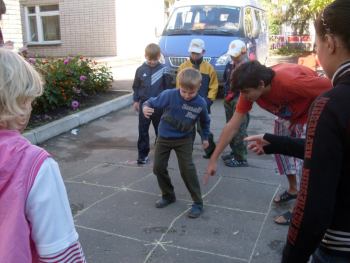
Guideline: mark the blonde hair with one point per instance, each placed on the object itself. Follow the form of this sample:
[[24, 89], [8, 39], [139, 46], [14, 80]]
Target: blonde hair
[[18, 82], [190, 78], [152, 51]]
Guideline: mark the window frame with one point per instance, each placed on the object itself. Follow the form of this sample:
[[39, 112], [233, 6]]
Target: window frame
[[39, 24]]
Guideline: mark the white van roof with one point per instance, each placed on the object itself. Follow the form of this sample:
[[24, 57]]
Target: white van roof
[[238, 3]]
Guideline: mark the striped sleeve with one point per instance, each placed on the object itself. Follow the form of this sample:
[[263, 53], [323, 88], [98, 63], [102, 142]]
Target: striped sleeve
[[72, 254]]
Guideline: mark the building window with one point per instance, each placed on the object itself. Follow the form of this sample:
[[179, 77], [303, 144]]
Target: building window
[[43, 24]]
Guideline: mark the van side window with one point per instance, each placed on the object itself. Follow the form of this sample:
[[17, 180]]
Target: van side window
[[263, 22], [257, 23], [248, 22], [178, 21]]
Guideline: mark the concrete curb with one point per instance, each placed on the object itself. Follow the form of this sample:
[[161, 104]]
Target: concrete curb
[[45, 132]]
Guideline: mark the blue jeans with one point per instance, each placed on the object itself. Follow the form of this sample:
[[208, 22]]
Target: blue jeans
[[320, 257]]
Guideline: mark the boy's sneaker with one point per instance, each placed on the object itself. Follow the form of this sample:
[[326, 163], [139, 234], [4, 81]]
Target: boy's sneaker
[[164, 202], [142, 160], [195, 211], [236, 163], [227, 156]]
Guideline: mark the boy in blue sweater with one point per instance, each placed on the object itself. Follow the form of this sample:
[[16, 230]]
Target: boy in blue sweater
[[182, 108], [151, 78]]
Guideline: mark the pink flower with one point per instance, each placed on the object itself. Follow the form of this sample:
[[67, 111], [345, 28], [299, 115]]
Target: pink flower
[[66, 61], [82, 78], [75, 104]]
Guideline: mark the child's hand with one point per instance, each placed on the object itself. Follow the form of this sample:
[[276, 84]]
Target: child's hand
[[257, 143], [147, 111], [136, 106], [205, 144]]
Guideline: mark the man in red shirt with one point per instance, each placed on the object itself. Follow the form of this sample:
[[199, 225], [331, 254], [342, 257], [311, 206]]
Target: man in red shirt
[[285, 90]]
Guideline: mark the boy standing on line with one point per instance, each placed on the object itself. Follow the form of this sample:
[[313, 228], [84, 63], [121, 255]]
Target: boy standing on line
[[238, 155], [151, 78], [209, 85], [182, 108]]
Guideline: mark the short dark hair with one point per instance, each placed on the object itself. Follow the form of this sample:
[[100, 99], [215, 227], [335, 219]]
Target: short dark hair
[[190, 78], [152, 51], [335, 19], [249, 75]]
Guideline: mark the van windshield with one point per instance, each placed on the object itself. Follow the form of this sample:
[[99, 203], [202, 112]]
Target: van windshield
[[204, 19]]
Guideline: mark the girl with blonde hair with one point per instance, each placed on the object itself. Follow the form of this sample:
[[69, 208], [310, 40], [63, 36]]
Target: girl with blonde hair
[[36, 223]]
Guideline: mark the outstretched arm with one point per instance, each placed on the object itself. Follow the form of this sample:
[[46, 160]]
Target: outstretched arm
[[229, 131], [270, 144]]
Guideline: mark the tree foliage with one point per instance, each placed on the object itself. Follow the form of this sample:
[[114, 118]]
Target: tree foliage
[[298, 13]]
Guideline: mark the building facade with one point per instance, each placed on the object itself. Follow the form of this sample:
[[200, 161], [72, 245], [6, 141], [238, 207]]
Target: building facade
[[90, 27], [11, 24]]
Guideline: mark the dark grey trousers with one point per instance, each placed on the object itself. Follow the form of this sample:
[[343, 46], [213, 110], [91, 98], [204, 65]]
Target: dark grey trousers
[[183, 149]]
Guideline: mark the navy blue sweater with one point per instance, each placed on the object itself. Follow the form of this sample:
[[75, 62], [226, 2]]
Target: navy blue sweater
[[180, 116], [321, 216], [150, 81]]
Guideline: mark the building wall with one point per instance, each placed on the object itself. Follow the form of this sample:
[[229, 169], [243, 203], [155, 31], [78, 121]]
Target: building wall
[[11, 23], [137, 22], [96, 28], [87, 28]]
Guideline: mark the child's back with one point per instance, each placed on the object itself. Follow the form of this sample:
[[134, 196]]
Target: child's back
[[36, 223]]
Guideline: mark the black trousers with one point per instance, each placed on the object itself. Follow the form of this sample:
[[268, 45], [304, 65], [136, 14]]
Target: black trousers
[[144, 124]]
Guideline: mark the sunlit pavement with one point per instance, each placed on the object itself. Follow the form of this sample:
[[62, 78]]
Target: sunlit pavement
[[112, 198]]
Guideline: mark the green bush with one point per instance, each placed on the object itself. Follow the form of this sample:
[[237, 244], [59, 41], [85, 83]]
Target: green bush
[[289, 50], [68, 81]]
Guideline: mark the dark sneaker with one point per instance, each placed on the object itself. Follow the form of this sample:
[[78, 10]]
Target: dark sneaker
[[195, 211], [164, 202], [142, 160], [236, 163], [209, 152], [226, 157]]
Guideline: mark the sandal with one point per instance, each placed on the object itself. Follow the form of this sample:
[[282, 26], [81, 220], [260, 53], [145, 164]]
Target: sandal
[[287, 216], [285, 197]]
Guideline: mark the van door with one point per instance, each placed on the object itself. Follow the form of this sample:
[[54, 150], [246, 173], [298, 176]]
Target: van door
[[248, 27], [260, 35], [255, 30]]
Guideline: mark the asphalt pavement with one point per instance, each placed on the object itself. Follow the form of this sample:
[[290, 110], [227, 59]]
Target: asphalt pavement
[[112, 198]]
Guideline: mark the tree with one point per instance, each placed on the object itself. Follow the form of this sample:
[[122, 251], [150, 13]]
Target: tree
[[296, 12], [318, 5]]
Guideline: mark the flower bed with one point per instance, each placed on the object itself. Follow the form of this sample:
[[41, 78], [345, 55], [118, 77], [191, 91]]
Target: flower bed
[[68, 82], [39, 119]]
